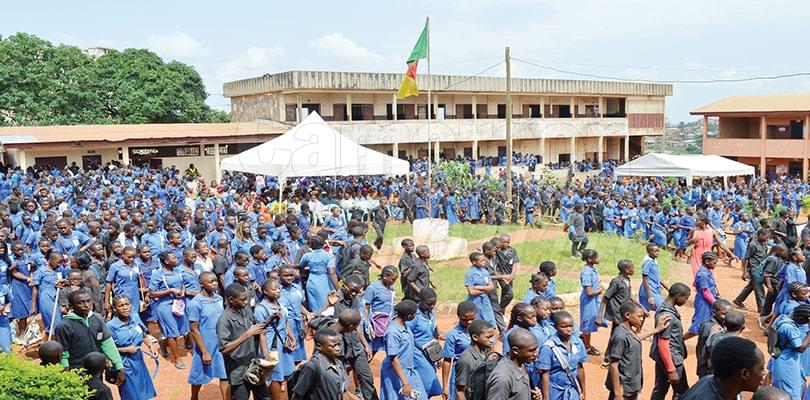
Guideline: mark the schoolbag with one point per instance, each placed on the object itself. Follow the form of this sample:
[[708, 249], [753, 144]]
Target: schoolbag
[[321, 321], [477, 388], [345, 255], [293, 379], [773, 341]]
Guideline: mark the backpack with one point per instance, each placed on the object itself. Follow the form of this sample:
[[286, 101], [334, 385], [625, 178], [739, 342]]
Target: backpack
[[345, 255], [773, 341], [320, 321], [293, 379], [477, 388]]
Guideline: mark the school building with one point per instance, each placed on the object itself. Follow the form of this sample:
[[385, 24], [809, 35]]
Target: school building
[[157, 145], [769, 133], [558, 120]]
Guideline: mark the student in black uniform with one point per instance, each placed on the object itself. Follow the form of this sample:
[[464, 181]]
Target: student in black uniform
[[481, 336], [739, 366], [323, 376], [668, 349], [94, 364], [714, 325], [617, 293]]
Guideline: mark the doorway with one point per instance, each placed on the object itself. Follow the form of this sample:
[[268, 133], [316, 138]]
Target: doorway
[[91, 162]]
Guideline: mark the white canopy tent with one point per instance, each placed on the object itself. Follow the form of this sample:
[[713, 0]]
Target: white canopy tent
[[686, 166], [313, 148]]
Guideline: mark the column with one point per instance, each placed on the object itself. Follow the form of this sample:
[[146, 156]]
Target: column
[[436, 151], [542, 107], [573, 148], [349, 106], [475, 106], [573, 105], [395, 150], [282, 109], [763, 133], [22, 162], [805, 136], [217, 168], [475, 149], [299, 114], [706, 128], [125, 155], [543, 149], [601, 108], [626, 148], [433, 107], [600, 146], [394, 105]]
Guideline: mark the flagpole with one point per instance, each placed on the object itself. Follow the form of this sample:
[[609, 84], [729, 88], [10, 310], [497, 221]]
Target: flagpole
[[430, 117]]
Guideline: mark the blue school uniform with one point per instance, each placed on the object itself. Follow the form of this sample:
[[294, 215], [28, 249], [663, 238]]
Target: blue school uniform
[[704, 279], [561, 386], [532, 294], [45, 280], [138, 384], [398, 343], [541, 336], [21, 301], [650, 269], [480, 277], [171, 326], [206, 311], [659, 235], [381, 299], [551, 290], [292, 298], [741, 239], [786, 370], [318, 285], [126, 281], [450, 209], [455, 342], [608, 224], [5, 323], [276, 333], [421, 208], [423, 327], [790, 273], [588, 305]]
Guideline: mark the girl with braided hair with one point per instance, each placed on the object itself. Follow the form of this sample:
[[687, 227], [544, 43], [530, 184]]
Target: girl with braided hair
[[786, 368], [799, 294]]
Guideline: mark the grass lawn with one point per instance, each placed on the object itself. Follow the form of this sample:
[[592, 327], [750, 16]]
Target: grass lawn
[[466, 231]]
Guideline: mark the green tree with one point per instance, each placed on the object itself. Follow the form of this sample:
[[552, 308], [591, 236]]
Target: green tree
[[43, 84]]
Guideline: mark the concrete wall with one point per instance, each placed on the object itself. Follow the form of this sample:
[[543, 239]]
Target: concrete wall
[[739, 127], [107, 155]]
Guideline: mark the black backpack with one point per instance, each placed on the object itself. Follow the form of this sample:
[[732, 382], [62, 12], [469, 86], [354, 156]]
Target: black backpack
[[773, 342], [477, 388], [345, 255]]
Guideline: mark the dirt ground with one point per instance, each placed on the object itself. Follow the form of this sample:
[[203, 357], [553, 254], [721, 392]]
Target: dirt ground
[[171, 383]]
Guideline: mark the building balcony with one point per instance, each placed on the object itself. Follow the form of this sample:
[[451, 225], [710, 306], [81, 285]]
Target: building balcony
[[411, 131], [776, 148]]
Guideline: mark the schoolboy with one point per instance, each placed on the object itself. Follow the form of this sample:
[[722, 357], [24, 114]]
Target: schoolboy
[[668, 349], [481, 335]]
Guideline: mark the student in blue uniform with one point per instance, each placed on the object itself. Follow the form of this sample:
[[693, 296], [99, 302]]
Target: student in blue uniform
[[549, 269], [705, 293], [524, 316], [124, 279], [21, 277], [425, 334], [292, 297], [203, 313], [166, 287], [128, 334], [743, 229], [479, 285], [562, 375], [786, 370], [322, 275], [589, 298], [539, 287], [649, 294], [455, 342], [398, 376], [278, 333], [45, 281], [790, 272], [608, 218], [5, 323], [379, 298]]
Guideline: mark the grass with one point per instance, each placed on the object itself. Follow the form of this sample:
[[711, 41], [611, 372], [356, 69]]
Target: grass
[[466, 231]]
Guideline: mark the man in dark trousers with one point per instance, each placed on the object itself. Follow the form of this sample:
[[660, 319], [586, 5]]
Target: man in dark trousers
[[508, 262], [755, 254], [379, 216], [668, 349]]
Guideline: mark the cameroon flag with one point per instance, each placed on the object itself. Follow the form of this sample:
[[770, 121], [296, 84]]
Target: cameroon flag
[[420, 51]]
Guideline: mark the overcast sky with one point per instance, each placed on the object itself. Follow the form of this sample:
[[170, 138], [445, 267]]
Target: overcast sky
[[661, 40]]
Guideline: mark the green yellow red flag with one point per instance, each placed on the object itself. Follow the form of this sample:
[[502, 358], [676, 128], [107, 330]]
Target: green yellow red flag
[[420, 51]]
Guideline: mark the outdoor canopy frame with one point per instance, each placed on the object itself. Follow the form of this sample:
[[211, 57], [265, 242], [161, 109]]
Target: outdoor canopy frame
[[684, 166], [314, 148]]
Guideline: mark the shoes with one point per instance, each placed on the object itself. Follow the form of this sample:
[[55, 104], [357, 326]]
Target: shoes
[[593, 352], [180, 365], [739, 305]]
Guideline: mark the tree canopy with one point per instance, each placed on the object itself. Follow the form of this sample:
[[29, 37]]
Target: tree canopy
[[44, 84]]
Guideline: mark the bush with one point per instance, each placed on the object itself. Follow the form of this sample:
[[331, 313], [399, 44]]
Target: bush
[[21, 379]]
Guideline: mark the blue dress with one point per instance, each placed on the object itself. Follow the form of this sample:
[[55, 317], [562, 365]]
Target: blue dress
[[399, 343], [741, 239], [659, 236], [171, 326], [455, 342], [561, 386], [588, 305], [21, 301], [276, 332], [608, 224], [421, 208], [790, 273], [531, 368], [649, 268], [45, 279], [381, 299], [551, 290], [126, 281], [480, 277], [318, 282], [5, 323], [206, 311], [532, 294], [423, 327], [138, 384], [786, 371], [704, 279], [450, 210], [292, 298]]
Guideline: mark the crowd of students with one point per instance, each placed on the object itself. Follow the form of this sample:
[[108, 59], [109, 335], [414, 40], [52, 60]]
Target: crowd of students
[[128, 264]]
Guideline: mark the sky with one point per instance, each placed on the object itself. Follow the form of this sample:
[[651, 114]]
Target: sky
[[628, 39]]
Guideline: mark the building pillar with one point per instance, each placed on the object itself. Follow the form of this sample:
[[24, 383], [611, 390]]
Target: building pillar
[[601, 107], [349, 106], [299, 115], [217, 167], [395, 150], [282, 109], [394, 105], [626, 148], [763, 133], [542, 107], [436, 151], [600, 147], [125, 155], [573, 105], [433, 106], [573, 148], [543, 149], [22, 161], [475, 106], [805, 136], [705, 129], [475, 149]]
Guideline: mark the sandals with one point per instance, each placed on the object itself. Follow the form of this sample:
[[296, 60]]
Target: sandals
[[180, 365], [593, 352]]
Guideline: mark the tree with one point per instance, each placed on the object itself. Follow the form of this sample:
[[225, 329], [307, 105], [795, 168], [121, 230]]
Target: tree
[[43, 84]]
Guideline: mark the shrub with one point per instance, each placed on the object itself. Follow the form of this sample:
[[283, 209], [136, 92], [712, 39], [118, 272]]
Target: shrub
[[21, 379]]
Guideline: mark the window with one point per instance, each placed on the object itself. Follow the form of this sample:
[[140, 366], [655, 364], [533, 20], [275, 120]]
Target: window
[[534, 111], [501, 110]]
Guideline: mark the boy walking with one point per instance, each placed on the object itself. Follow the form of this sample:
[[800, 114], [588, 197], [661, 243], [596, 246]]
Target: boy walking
[[668, 349]]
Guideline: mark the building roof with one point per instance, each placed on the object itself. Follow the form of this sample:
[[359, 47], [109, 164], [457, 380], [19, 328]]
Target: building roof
[[135, 132], [799, 102], [292, 81]]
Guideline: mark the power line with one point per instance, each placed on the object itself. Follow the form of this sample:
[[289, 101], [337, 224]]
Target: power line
[[683, 81], [618, 66], [473, 76]]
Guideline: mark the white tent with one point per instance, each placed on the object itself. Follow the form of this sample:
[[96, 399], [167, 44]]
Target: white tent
[[313, 148], [686, 166]]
